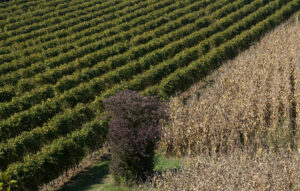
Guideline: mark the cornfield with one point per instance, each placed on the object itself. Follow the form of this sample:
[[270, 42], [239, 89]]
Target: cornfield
[[237, 171], [240, 126], [251, 102]]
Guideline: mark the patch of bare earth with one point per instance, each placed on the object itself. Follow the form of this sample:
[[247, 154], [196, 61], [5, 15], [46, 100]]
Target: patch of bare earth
[[242, 130]]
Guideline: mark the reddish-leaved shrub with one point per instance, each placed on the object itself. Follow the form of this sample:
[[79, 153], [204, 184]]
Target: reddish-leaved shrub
[[133, 134]]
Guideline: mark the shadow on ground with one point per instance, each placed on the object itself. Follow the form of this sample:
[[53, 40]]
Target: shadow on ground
[[89, 178], [97, 177]]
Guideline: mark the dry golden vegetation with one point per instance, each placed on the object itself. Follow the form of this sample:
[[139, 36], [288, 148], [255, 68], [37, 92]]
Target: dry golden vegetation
[[251, 102], [238, 171], [241, 125]]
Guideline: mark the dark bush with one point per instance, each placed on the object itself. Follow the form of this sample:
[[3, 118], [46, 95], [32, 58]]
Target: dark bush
[[133, 134]]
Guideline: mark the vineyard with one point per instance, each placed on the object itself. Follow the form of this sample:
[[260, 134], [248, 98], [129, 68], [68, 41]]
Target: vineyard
[[60, 59]]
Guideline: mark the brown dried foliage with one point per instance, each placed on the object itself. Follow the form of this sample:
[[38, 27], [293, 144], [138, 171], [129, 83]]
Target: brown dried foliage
[[238, 171], [252, 102], [244, 128]]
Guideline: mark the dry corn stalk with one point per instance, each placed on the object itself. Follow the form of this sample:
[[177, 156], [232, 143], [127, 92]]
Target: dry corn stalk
[[253, 102]]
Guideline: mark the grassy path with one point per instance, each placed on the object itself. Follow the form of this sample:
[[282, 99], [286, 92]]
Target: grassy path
[[98, 178]]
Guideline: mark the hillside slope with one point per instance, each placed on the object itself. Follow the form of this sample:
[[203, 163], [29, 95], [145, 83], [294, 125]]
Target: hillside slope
[[248, 101], [241, 124], [59, 59]]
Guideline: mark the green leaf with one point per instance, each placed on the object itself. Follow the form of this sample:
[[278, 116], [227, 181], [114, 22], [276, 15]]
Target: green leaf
[[6, 176]]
